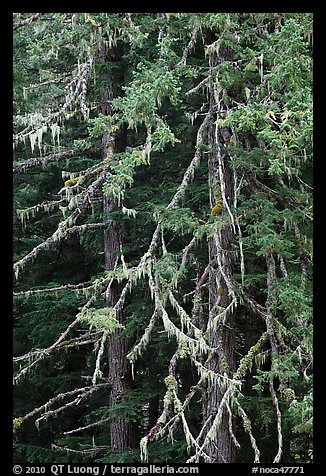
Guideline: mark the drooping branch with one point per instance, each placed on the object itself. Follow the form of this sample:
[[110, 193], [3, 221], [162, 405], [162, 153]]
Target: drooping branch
[[248, 429], [138, 348], [223, 381], [98, 290], [248, 301], [244, 366], [142, 264], [247, 361], [25, 214], [185, 319], [72, 403], [187, 177], [162, 425], [195, 346], [230, 416], [211, 434], [189, 174], [170, 382]]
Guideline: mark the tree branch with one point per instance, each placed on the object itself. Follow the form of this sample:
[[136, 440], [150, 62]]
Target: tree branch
[[73, 287], [48, 159], [62, 231], [45, 352], [82, 391], [76, 92], [190, 45], [26, 21]]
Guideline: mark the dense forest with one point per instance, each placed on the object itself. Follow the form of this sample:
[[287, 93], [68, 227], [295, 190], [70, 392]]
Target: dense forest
[[162, 237]]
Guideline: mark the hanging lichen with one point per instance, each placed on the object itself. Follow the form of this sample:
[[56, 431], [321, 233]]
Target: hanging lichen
[[143, 449], [138, 349], [129, 211], [55, 132]]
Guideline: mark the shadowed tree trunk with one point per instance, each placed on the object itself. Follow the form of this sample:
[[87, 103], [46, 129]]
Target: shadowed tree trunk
[[122, 431], [221, 449]]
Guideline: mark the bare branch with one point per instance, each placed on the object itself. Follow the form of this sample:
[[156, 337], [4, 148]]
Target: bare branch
[[82, 428], [199, 86], [82, 392], [90, 451], [73, 287], [48, 159], [26, 21], [45, 83], [279, 422], [189, 46]]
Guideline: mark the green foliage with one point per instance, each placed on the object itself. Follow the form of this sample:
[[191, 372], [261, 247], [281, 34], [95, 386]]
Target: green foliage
[[146, 92], [100, 125], [302, 414], [102, 319], [166, 267], [176, 219]]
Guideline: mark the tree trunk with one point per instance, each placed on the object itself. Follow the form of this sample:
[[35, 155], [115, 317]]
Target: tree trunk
[[222, 450], [122, 431]]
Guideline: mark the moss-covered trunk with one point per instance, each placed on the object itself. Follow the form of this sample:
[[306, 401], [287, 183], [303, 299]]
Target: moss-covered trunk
[[122, 431], [221, 248]]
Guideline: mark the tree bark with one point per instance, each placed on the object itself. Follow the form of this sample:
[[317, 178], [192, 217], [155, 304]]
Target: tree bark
[[220, 245], [122, 431]]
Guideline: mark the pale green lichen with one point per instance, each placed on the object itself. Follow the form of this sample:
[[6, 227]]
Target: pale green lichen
[[17, 422], [246, 424], [171, 382], [102, 319]]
